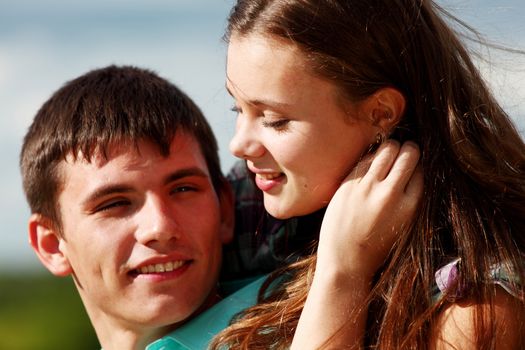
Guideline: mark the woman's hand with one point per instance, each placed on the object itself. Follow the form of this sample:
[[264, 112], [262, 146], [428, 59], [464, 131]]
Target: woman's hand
[[363, 219], [373, 205]]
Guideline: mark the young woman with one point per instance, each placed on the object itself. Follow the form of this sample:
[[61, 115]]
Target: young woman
[[316, 83]]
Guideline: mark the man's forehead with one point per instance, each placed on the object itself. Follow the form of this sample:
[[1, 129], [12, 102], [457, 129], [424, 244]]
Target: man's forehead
[[140, 157], [99, 155]]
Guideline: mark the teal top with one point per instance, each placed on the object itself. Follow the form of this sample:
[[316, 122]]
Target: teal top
[[197, 333]]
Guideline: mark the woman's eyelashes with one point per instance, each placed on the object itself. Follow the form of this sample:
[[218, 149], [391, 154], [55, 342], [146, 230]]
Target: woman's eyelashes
[[278, 124]]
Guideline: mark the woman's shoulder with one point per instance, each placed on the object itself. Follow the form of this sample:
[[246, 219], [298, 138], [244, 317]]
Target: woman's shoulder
[[455, 323]]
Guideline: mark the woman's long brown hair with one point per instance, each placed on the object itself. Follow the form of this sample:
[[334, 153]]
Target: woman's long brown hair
[[472, 156]]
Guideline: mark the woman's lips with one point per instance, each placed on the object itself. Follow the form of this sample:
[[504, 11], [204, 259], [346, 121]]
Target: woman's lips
[[267, 181]]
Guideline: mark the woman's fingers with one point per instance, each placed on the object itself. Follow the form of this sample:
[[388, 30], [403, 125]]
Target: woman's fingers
[[370, 208], [383, 160], [414, 188], [361, 168], [403, 167]]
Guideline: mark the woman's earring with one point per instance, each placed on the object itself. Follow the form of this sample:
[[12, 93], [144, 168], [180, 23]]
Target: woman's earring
[[380, 138]]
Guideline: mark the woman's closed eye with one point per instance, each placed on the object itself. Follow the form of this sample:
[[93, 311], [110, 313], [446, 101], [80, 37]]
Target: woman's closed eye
[[278, 124]]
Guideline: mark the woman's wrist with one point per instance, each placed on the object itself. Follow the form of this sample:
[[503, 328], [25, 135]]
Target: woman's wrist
[[361, 263], [337, 276]]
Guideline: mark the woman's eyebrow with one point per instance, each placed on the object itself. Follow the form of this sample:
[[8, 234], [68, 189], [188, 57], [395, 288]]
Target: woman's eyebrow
[[260, 102]]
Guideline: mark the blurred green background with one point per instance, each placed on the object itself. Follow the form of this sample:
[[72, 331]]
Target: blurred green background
[[39, 311]]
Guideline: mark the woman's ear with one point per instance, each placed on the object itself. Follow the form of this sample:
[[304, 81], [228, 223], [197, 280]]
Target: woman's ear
[[386, 108], [45, 239], [227, 203]]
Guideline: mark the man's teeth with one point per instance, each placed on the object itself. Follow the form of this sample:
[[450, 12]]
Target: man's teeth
[[269, 176], [157, 268]]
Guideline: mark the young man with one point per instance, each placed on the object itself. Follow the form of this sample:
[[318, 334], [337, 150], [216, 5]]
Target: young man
[[122, 175]]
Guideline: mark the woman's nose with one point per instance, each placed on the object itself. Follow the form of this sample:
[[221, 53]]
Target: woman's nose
[[246, 143]]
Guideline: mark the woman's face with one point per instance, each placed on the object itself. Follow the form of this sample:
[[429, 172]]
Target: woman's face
[[297, 135]]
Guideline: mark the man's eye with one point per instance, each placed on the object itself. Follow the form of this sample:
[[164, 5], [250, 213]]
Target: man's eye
[[111, 205], [182, 189], [236, 109]]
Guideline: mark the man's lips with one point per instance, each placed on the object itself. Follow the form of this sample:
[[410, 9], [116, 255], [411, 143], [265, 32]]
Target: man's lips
[[159, 267], [166, 267]]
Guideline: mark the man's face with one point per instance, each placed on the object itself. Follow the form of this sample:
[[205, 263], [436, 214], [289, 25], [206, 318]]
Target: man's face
[[142, 233]]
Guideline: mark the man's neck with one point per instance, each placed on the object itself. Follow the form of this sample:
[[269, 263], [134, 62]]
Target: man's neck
[[118, 338], [115, 334]]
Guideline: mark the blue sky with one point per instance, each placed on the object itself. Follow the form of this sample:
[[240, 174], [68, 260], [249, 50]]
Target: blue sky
[[44, 43]]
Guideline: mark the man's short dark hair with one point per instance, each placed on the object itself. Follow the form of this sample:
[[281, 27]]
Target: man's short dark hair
[[100, 108]]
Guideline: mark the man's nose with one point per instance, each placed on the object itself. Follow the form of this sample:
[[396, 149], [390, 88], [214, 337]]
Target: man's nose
[[157, 223]]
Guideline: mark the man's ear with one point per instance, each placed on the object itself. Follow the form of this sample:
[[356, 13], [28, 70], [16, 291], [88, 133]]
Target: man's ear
[[385, 108], [46, 240], [227, 203]]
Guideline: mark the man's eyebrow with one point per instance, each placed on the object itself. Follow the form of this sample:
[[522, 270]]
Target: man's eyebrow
[[186, 172], [261, 102]]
